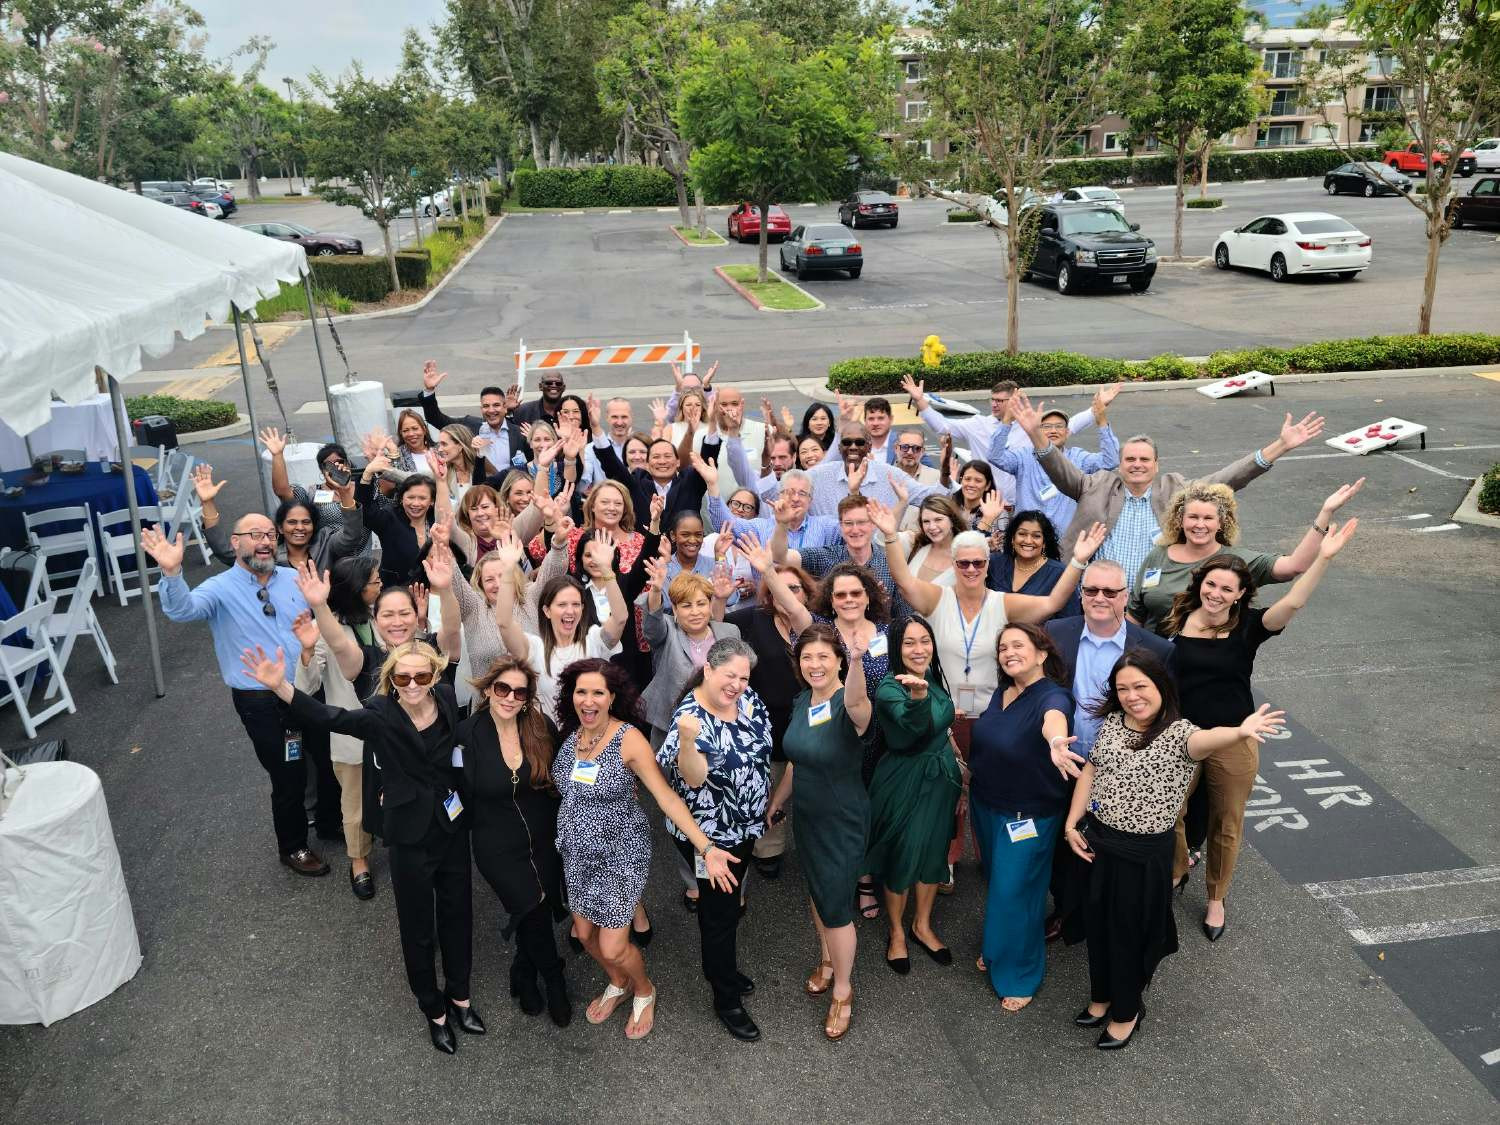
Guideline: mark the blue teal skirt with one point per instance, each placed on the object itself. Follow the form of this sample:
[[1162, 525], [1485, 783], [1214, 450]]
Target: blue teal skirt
[[1015, 943]]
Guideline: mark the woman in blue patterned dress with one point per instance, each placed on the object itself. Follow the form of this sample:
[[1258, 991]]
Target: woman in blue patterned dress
[[602, 834], [717, 757]]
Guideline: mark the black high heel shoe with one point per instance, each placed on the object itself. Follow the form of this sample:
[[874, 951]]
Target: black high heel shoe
[[1086, 1018], [1214, 933], [642, 938], [442, 1036], [1181, 885], [1108, 1042], [466, 1018], [573, 943]]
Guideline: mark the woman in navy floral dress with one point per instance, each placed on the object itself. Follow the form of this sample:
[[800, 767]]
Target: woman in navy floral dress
[[717, 757]]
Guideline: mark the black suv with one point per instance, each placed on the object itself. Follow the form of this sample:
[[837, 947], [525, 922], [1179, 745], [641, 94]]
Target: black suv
[[1083, 243]]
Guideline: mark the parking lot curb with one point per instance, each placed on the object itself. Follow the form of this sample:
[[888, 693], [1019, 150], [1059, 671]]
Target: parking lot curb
[[234, 429], [696, 245], [1468, 511], [756, 301]]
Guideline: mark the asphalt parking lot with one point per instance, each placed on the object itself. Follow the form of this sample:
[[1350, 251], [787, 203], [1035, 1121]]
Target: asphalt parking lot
[[325, 218]]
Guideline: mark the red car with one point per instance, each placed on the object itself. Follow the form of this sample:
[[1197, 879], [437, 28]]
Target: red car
[[744, 223]]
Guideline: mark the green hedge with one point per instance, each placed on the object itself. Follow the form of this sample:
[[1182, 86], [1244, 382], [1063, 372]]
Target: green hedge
[[1489, 491], [186, 414], [494, 203], [605, 185], [1204, 204], [1222, 166], [974, 371], [963, 216], [360, 277], [413, 267], [455, 227]]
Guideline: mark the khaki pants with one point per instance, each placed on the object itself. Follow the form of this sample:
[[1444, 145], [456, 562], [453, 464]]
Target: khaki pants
[[1230, 776], [351, 803], [773, 843]]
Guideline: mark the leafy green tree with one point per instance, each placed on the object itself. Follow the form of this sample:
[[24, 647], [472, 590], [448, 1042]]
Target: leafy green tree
[[1316, 17], [1188, 78], [768, 125]]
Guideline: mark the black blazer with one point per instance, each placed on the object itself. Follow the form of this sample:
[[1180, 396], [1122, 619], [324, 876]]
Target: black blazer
[[436, 417], [398, 769], [685, 494], [1066, 631]]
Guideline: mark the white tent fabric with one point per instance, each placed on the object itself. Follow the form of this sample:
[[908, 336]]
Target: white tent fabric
[[94, 276]]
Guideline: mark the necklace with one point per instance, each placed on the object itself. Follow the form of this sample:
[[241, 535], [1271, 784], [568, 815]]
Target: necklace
[[586, 751]]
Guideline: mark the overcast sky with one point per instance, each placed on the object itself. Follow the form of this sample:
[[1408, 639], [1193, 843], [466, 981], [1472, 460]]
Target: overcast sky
[[322, 34]]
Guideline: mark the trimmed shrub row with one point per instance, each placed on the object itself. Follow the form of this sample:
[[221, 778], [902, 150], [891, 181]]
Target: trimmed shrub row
[[1489, 491], [367, 277], [974, 371], [1121, 171], [963, 216], [494, 203], [606, 185], [186, 414], [1203, 204]]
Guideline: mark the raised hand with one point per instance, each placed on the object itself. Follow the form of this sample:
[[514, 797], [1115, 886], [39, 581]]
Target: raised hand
[[419, 595], [688, 727], [1103, 397], [756, 553], [481, 443], [431, 376], [656, 572], [857, 646], [439, 565], [1261, 722], [848, 408], [788, 420], [268, 672], [916, 686], [565, 498], [991, 508], [713, 369], [372, 443], [510, 550], [903, 494], [573, 444], [1339, 497], [442, 532], [168, 555], [525, 428], [659, 411], [1301, 432], [658, 506], [1068, 763], [275, 444], [435, 464], [781, 509], [203, 482], [305, 629], [1089, 542], [882, 517], [676, 378], [599, 555], [314, 586], [593, 404], [723, 582], [1337, 536], [376, 465], [1027, 416], [916, 391], [512, 397], [343, 492], [857, 474]]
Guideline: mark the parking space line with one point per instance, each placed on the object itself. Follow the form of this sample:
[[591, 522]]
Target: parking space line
[[1429, 468], [1425, 931], [1439, 527], [1414, 881], [1490, 1058]]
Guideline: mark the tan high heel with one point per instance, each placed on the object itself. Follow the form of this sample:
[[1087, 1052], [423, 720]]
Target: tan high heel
[[840, 1012], [820, 980]]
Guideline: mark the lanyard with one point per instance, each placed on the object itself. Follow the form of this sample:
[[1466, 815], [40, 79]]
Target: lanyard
[[969, 635]]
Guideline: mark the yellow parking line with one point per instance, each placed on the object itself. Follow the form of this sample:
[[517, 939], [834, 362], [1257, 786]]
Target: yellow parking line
[[1492, 373], [202, 388], [270, 334]]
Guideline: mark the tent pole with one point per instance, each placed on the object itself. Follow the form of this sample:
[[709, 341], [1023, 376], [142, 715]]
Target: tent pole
[[312, 319], [239, 338], [122, 434]]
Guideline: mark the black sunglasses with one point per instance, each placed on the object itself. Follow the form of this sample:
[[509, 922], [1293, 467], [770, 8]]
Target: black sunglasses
[[1101, 591], [402, 679], [264, 597], [849, 441], [501, 690]]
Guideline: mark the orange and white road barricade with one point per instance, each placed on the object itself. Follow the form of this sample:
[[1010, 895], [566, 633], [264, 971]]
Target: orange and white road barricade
[[685, 353]]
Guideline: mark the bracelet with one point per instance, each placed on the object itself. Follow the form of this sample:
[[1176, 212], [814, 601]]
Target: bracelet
[[1079, 565], [1319, 530], [1261, 460], [889, 539]]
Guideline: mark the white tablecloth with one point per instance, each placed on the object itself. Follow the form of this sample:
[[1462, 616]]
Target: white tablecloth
[[88, 426]]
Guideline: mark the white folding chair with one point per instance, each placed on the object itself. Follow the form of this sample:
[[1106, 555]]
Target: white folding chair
[[51, 541], [19, 665], [118, 539], [79, 618], [135, 454], [171, 471], [186, 513]]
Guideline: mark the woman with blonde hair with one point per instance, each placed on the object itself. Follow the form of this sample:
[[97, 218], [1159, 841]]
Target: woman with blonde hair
[[412, 801]]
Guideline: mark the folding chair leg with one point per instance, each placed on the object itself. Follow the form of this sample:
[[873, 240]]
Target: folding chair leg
[[101, 642], [117, 579], [18, 696], [64, 650]]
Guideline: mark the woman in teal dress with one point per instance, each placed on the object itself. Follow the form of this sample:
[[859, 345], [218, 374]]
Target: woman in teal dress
[[824, 751], [914, 793]]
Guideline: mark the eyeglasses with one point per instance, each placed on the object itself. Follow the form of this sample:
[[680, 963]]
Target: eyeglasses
[[264, 597], [971, 564], [741, 506], [502, 690], [794, 494], [256, 536], [402, 679], [909, 447], [551, 383], [1102, 591], [851, 442], [1053, 425]]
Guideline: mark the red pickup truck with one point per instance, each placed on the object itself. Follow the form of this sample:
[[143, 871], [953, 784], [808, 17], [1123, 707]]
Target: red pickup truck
[[1413, 161]]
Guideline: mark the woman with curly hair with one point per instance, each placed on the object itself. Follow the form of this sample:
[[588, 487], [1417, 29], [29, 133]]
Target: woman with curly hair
[[603, 834], [1203, 520]]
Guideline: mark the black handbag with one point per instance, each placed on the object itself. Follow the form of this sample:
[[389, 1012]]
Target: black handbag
[[50, 751]]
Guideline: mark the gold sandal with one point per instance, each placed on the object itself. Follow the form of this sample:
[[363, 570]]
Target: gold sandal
[[817, 982], [840, 1012]]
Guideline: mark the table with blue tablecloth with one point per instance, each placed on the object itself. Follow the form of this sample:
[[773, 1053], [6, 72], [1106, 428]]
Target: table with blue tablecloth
[[96, 486]]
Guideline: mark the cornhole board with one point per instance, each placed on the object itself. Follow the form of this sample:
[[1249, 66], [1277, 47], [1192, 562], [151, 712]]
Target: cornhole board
[[1234, 384], [1378, 435]]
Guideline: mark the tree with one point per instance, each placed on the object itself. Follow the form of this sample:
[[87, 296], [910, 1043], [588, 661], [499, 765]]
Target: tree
[[1439, 69], [357, 137], [1187, 78], [767, 125], [1316, 17], [249, 113], [1010, 83]]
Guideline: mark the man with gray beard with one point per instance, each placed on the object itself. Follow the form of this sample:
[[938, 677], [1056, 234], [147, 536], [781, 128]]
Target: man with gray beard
[[252, 604]]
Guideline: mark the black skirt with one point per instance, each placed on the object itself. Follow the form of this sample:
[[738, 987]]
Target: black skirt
[[1129, 903]]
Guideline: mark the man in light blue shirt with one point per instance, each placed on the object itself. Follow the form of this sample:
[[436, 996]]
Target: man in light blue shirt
[[251, 605], [853, 470], [802, 530], [1034, 489]]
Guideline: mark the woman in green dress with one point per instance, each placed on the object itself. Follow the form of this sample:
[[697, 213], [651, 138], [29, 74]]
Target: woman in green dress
[[824, 753], [914, 793]]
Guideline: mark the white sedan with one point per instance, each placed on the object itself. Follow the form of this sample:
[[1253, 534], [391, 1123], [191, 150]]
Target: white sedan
[[1107, 196], [1300, 242]]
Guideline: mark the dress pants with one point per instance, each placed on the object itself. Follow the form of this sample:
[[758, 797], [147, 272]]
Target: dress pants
[[429, 876], [352, 808], [718, 924], [265, 720], [321, 796], [1229, 776]]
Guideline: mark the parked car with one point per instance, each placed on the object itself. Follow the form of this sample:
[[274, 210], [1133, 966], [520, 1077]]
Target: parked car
[[210, 182], [1080, 244], [822, 246], [166, 185], [187, 201], [744, 223], [1367, 178], [1411, 159], [1480, 205], [870, 208], [224, 199], [1300, 242], [993, 207], [1487, 155], [314, 242], [430, 205], [1107, 196]]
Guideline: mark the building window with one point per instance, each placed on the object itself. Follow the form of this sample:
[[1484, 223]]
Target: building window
[[1274, 136], [916, 111], [1114, 142], [1382, 99], [913, 70], [1284, 103], [1282, 64], [1381, 66]]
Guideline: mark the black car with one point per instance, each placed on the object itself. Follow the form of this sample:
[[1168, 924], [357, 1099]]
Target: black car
[[1481, 205], [310, 240], [1367, 178], [214, 195], [183, 200], [869, 208], [1080, 244]]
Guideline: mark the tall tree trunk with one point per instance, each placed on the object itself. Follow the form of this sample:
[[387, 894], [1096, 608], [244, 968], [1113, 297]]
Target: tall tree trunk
[[416, 224], [1012, 288], [390, 255], [1203, 157], [554, 153], [700, 205], [1179, 171], [679, 183], [538, 153], [764, 242], [1435, 233], [252, 176]]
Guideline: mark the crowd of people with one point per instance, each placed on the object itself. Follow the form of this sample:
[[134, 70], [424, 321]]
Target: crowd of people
[[508, 641]]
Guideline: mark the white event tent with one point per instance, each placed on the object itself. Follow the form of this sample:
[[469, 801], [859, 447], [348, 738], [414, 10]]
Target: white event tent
[[95, 277]]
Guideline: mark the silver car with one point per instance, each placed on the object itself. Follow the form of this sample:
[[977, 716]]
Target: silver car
[[821, 247]]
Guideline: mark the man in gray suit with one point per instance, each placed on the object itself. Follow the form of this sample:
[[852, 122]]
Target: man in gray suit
[[1132, 499]]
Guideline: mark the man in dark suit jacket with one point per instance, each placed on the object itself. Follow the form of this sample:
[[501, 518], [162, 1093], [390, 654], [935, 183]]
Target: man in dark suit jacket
[[1091, 644], [668, 473], [503, 442]]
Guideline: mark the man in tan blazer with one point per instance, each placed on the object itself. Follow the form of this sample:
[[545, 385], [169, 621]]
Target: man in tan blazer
[[1132, 499]]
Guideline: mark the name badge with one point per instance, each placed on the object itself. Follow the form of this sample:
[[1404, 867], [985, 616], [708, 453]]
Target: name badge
[[323, 496], [293, 746], [1021, 830], [457, 760], [585, 773], [700, 867], [1151, 578], [879, 645], [967, 699], [601, 603], [1048, 493], [452, 805], [820, 713]]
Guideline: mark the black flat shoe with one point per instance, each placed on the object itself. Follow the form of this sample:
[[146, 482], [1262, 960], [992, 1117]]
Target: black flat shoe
[[559, 1007], [942, 954], [898, 965], [738, 1023], [362, 884], [745, 984], [769, 868], [467, 1019], [1214, 933], [689, 903], [1086, 1019], [442, 1036], [1108, 1042]]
